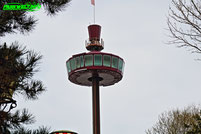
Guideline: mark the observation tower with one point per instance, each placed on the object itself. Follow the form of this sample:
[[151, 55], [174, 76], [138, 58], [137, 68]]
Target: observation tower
[[95, 69]]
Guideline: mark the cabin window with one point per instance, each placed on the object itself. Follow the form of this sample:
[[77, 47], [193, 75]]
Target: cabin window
[[120, 65], [114, 62], [81, 61], [72, 63], [88, 60], [68, 66], [107, 60], [97, 60], [77, 62]]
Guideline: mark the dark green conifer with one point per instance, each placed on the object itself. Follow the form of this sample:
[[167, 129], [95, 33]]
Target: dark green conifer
[[18, 65]]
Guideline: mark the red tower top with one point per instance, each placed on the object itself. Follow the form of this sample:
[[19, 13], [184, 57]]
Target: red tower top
[[94, 32], [95, 43]]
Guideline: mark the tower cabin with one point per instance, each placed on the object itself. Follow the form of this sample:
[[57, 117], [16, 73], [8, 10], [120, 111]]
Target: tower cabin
[[95, 43]]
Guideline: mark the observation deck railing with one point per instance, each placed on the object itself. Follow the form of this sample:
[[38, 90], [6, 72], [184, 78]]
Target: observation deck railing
[[94, 43]]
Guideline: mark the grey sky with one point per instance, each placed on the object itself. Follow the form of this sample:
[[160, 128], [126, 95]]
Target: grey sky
[[157, 76]]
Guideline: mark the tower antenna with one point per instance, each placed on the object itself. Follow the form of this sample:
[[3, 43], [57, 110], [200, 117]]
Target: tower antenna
[[94, 12]]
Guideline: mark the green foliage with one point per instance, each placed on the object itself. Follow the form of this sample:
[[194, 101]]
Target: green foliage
[[52, 7], [13, 21], [17, 67], [40, 130], [10, 121], [22, 21]]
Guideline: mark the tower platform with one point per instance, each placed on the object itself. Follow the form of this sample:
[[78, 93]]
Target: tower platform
[[81, 67]]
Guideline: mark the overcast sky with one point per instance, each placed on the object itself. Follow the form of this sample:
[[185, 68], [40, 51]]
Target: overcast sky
[[157, 77]]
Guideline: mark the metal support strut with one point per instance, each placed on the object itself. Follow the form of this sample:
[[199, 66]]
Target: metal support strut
[[96, 104]]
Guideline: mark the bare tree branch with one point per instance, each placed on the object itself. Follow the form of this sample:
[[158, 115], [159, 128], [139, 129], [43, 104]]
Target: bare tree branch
[[184, 24]]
